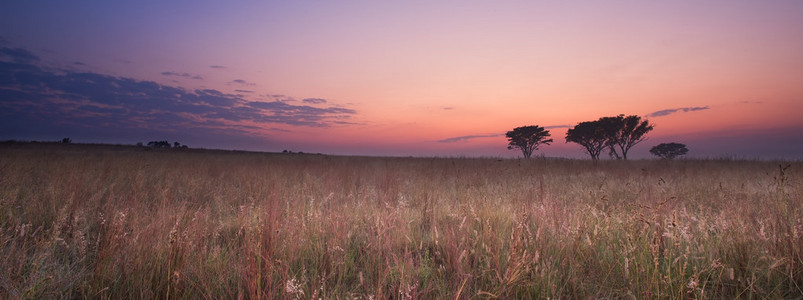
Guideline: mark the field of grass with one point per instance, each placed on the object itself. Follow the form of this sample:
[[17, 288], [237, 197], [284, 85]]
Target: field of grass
[[81, 221]]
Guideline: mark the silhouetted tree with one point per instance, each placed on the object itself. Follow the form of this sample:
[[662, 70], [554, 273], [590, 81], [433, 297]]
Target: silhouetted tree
[[66, 140], [610, 127], [624, 133], [592, 135], [527, 138], [669, 151], [176, 145]]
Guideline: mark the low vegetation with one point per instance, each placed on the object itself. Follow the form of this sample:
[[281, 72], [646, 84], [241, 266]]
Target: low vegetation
[[84, 222]]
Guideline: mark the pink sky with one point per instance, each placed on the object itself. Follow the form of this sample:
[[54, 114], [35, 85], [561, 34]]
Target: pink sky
[[420, 72]]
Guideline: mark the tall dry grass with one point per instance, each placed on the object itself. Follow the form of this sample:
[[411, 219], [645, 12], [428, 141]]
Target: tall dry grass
[[94, 222]]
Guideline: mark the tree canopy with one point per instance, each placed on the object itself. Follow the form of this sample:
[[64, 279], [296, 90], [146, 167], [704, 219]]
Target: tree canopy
[[669, 150], [618, 134], [625, 132], [527, 138], [592, 135]]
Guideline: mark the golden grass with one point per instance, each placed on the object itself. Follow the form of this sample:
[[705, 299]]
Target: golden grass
[[98, 222]]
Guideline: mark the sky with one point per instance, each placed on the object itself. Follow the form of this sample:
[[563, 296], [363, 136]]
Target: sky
[[403, 78]]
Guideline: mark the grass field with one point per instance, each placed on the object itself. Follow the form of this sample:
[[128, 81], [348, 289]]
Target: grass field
[[80, 221]]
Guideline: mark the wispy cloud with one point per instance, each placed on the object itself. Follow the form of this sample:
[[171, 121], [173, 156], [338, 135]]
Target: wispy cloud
[[467, 137], [18, 55], [314, 100], [478, 136], [35, 99], [666, 112], [217, 67], [184, 75], [242, 82]]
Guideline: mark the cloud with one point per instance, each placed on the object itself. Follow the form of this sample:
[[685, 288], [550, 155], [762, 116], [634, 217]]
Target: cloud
[[284, 98], [470, 137], [314, 100], [448, 108], [37, 101], [242, 82], [467, 137], [280, 129], [185, 75], [299, 115], [244, 91], [217, 67], [666, 112], [18, 55]]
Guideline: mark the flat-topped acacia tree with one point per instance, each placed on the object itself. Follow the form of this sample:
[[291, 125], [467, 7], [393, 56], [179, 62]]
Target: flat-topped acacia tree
[[669, 150], [527, 138], [615, 133], [592, 135], [626, 132]]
